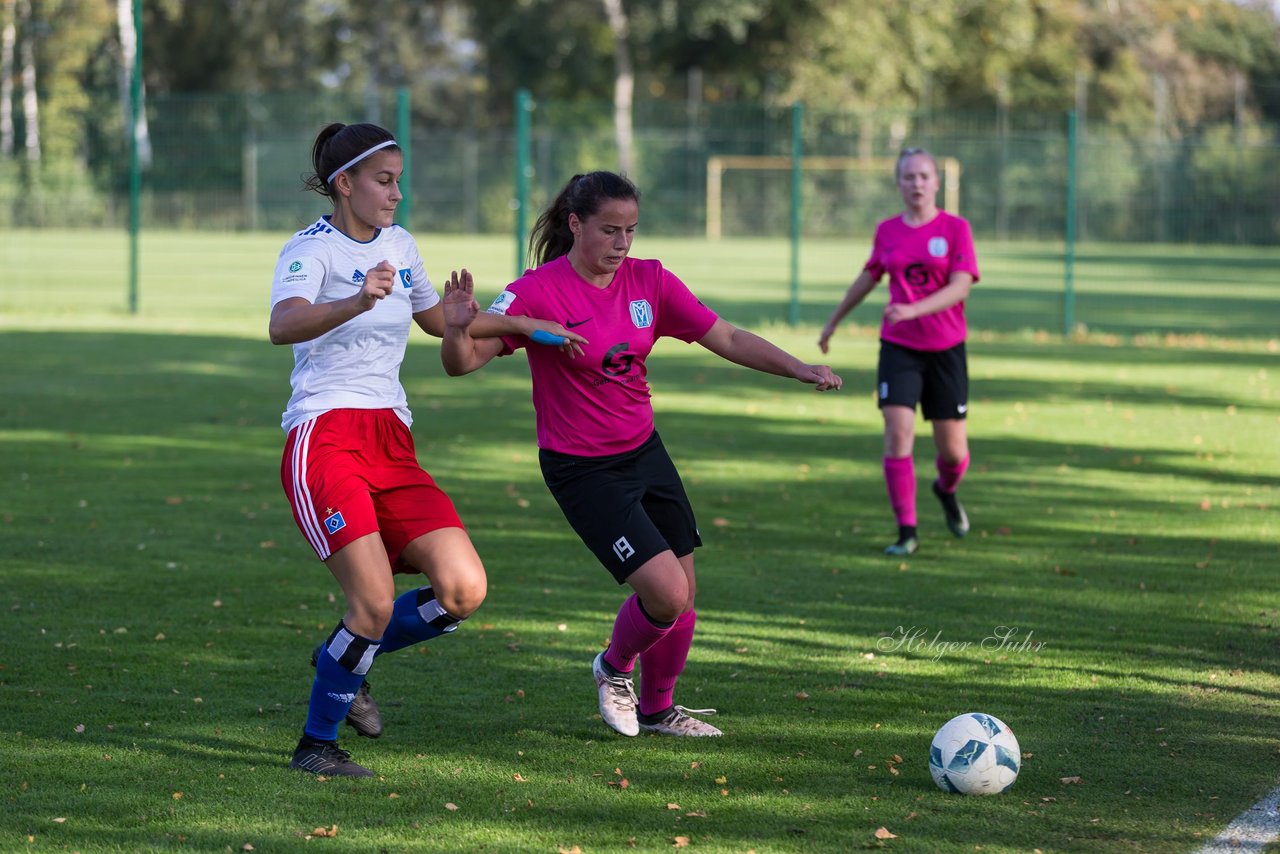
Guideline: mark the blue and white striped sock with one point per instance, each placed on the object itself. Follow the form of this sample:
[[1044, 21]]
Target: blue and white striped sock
[[341, 666], [416, 616]]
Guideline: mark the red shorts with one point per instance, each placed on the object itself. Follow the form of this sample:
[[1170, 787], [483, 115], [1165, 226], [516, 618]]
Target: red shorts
[[351, 472]]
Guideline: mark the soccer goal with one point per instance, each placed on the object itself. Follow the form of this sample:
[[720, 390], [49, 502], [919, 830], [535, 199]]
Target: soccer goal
[[719, 164]]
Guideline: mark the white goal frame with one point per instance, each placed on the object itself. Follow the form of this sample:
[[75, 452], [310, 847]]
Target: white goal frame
[[717, 165]]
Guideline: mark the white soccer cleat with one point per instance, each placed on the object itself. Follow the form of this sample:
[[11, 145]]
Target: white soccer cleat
[[617, 699], [679, 723]]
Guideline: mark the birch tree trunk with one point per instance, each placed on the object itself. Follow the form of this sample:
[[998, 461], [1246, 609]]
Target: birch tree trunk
[[8, 40], [624, 84], [30, 104], [138, 134]]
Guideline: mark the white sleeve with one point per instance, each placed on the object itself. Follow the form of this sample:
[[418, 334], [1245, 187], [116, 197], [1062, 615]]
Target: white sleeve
[[423, 294], [297, 275]]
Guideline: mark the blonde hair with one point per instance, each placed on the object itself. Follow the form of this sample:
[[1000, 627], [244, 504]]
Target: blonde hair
[[912, 152]]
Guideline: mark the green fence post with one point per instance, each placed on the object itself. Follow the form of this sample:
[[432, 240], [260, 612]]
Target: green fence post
[[524, 106], [1069, 261], [404, 137], [135, 161], [797, 152]]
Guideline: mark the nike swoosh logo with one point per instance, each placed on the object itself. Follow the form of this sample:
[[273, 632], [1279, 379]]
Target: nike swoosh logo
[[961, 409], [570, 325]]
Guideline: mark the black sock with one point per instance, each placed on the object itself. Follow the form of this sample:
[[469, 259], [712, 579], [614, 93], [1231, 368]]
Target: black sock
[[906, 532], [656, 717]]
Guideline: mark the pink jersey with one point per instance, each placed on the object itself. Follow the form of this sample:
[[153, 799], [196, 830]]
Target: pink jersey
[[598, 403], [920, 261]]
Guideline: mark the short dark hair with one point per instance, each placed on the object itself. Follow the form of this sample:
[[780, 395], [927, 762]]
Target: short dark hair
[[583, 195]]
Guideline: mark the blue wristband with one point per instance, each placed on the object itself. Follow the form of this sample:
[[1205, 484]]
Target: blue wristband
[[541, 336]]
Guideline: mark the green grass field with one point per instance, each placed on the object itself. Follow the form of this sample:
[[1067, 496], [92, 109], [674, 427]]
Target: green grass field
[[159, 606]]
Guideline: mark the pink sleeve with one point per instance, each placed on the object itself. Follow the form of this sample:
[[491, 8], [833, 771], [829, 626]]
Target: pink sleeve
[[963, 258], [875, 264], [683, 315], [511, 303]]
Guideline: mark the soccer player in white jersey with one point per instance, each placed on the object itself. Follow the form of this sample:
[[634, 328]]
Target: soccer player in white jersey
[[346, 291], [601, 457], [928, 254]]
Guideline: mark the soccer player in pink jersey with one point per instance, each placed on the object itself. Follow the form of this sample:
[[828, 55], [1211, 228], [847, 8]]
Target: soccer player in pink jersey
[[346, 291], [600, 455], [928, 254]]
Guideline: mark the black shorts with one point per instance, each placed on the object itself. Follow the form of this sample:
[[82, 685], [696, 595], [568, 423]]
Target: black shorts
[[938, 381], [627, 507]]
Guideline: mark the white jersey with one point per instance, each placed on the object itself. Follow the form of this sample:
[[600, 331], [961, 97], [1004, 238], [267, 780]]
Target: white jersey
[[357, 364]]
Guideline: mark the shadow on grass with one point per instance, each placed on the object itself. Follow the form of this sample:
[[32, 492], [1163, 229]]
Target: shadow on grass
[[145, 498]]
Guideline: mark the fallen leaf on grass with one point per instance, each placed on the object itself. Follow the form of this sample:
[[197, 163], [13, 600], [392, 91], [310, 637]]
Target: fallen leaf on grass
[[331, 832], [519, 778], [574, 850], [680, 842], [59, 820], [802, 695], [452, 807], [1071, 781], [883, 833], [673, 806]]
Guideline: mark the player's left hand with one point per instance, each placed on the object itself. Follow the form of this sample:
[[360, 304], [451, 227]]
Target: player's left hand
[[821, 376], [900, 311], [460, 306], [572, 342]]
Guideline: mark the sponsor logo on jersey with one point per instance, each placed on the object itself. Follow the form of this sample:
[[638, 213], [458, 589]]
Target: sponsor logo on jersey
[[938, 247], [501, 303], [295, 266], [334, 522], [641, 313]]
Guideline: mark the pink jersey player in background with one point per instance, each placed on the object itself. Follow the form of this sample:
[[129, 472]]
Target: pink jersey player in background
[[600, 455], [928, 254]]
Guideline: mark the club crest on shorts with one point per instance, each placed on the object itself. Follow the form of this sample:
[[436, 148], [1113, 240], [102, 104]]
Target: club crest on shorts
[[938, 247], [641, 313], [333, 523]]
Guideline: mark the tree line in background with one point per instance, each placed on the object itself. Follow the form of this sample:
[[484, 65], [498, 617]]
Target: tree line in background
[[1167, 69]]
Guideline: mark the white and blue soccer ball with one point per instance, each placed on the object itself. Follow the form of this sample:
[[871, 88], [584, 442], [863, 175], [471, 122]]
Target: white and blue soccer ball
[[974, 754]]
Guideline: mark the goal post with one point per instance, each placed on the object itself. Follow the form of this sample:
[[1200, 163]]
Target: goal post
[[717, 165]]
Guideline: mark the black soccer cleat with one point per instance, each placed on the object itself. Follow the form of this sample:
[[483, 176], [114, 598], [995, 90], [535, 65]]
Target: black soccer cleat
[[957, 519], [325, 757], [364, 716]]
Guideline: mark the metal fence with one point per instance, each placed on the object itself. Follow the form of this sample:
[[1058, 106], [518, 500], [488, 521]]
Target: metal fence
[[236, 162]]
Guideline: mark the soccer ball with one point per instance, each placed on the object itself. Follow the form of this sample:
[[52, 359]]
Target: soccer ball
[[974, 754]]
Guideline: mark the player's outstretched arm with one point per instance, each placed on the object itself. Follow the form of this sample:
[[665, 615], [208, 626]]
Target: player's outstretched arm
[[460, 289], [856, 293], [751, 351]]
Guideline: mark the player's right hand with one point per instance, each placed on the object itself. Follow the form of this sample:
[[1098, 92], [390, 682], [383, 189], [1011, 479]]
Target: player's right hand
[[378, 284]]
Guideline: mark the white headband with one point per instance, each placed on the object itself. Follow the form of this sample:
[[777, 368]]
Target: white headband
[[353, 161]]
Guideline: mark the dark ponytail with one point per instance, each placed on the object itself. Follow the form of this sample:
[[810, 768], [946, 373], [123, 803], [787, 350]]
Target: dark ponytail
[[583, 195], [337, 144]]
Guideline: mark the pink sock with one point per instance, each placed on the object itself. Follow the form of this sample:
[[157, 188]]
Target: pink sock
[[662, 664], [633, 633], [950, 474], [900, 478]]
